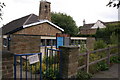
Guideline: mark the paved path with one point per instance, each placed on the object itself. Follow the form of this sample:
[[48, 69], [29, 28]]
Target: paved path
[[111, 73]]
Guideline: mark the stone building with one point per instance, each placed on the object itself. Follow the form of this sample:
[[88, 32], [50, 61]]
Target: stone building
[[87, 29], [23, 35], [33, 24]]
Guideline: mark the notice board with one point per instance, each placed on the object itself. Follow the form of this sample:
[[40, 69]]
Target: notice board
[[62, 39]]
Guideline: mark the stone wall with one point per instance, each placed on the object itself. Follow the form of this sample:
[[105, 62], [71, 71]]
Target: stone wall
[[24, 44], [41, 29], [87, 31], [7, 65]]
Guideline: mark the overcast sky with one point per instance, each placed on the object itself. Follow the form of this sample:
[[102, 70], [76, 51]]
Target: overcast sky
[[90, 10]]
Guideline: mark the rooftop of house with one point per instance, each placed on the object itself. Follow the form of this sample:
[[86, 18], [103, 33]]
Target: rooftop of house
[[24, 22], [17, 24], [88, 26]]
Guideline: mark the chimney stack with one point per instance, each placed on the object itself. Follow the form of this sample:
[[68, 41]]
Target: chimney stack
[[44, 10]]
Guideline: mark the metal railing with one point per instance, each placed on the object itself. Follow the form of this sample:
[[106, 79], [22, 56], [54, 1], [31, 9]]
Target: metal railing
[[52, 63]]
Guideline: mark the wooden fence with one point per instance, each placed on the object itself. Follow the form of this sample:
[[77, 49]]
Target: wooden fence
[[87, 59]]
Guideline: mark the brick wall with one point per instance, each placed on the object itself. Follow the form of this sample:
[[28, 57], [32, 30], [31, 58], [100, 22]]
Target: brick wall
[[42, 29], [7, 65], [24, 44]]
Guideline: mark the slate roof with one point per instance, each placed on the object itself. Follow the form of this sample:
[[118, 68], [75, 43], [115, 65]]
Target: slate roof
[[114, 22], [17, 24], [88, 26]]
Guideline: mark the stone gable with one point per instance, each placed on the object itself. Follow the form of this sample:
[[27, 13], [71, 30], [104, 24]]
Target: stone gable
[[41, 29]]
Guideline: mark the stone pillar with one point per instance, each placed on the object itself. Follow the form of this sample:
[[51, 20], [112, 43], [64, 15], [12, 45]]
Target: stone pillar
[[90, 43], [68, 61], [7, 65]]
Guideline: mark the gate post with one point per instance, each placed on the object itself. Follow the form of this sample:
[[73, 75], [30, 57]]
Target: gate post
[[68, 61], [7, 65]]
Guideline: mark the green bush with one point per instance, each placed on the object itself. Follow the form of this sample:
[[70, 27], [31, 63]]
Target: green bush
[[102, 66], [82, 75], [114, 38], [51, 59], [34, 68], [94, 56], [114, 50], [115, 59], [81, 60], [51, 74], [93, 68], [82, 47], [99, 44]]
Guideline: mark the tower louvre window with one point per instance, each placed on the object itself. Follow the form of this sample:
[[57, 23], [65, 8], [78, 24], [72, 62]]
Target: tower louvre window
[[46, 7]]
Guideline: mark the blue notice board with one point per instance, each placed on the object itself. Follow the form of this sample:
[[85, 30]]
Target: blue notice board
[[60, 41]]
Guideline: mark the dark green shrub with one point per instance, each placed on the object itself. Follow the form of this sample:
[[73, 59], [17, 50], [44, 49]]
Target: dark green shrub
[[99, 44], [82, 75], [82, 47], [51, 73], [115, 59], [93, 69], [51, 59], [81, 60], [94, 56], [34, 68], [102, 66], [114, 50]]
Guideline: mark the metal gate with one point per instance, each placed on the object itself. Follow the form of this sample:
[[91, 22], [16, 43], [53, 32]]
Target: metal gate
[[52, 64], [24, 69]]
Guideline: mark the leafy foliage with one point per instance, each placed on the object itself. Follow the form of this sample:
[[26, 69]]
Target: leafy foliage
[[114, 3], [2, 5], [83, 47], [34, 68], [66, 22], [114, 38], [110, 33], [99, 44], [51, 59], [115, 59], [102, 66], [82, 75], [51, 74]]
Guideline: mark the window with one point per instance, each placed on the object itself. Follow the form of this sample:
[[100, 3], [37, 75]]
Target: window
[[5, 42], [54, 42], [42, 42], [48, 42], [46, 8]]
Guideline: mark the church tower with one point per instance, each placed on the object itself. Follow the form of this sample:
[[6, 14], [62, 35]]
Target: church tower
[[44, 10], [84, 22]]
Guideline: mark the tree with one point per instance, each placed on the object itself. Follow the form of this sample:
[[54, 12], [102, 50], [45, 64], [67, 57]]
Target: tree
[[110, 34], [114, 3], [66, 22], [2, 5]]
